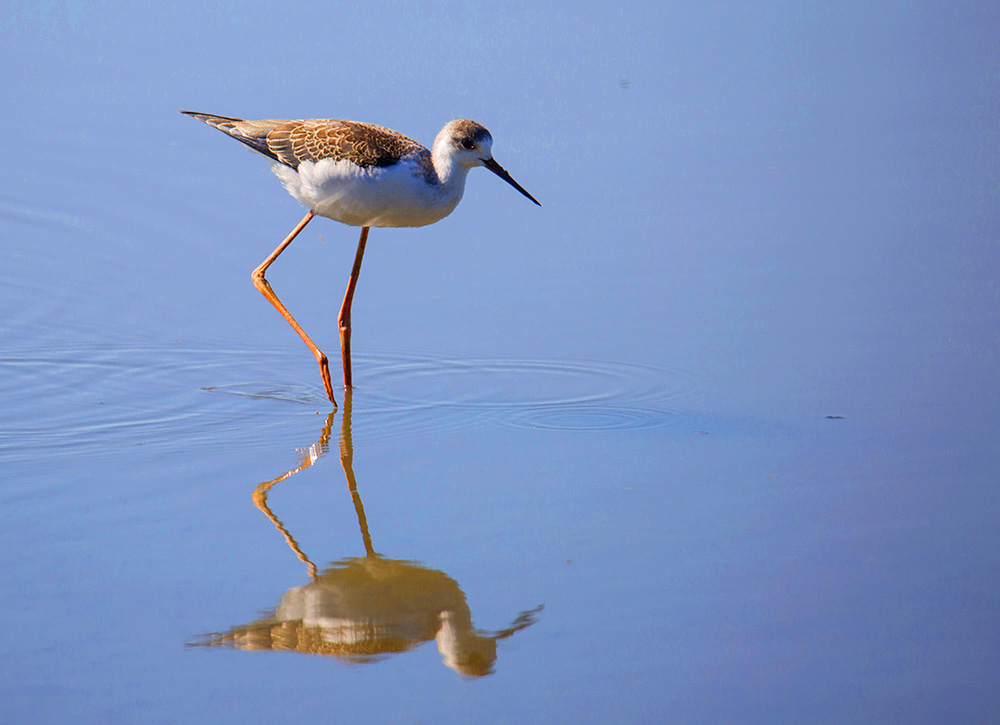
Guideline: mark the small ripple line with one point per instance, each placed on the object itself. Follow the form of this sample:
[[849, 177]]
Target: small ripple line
[[100, 395]]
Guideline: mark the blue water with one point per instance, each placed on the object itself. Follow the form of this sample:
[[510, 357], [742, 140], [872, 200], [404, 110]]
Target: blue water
[[709, 436]]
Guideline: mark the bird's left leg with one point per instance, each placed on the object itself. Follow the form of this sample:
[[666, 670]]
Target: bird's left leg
[[265, 289]]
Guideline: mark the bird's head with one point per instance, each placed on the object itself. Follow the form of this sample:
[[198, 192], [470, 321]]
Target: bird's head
[[470, 144]]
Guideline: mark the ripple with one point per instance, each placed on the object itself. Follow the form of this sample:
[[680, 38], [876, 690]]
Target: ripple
[[481, 381], [435, 393], [270, 391], [173, 396], [596, 418], [102, 397]]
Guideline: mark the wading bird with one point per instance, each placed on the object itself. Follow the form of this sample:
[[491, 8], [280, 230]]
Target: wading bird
[[363, 175]]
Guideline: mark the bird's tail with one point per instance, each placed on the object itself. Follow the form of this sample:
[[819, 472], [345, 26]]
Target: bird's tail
[[251, 133]]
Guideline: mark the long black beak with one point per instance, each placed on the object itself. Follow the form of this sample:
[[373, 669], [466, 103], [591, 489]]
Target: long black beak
[[502, 173]]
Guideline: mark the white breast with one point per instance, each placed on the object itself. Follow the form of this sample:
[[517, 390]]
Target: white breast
[[391, 196]]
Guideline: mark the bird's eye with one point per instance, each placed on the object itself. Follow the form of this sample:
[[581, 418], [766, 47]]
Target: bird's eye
[[468, 143]]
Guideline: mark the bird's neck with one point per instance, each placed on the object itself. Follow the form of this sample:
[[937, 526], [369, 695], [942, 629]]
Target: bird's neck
[[450, 173]]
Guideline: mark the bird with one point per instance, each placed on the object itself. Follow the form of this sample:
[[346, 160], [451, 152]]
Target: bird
[[363, 175]]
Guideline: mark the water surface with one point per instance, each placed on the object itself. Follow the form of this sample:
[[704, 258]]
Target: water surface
[[709, 436]]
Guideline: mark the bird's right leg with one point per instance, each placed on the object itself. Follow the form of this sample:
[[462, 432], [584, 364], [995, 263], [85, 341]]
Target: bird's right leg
[[344, 319], [265, 289], [347, 463]]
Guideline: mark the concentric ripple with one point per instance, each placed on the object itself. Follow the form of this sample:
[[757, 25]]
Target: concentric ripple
[[410, 394], [590, 417], [102, 397], [535, 394]]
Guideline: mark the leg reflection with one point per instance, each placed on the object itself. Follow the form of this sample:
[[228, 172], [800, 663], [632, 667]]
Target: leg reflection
[[362, 609]]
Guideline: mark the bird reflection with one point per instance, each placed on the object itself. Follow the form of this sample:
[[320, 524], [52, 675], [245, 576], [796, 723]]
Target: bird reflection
[[363, 609]]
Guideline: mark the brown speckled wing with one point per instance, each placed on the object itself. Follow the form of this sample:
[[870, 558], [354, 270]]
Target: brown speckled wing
[[292, 142], [365, 144]]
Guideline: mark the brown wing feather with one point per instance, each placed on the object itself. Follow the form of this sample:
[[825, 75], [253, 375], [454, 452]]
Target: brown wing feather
[[364, 144], [292, 142]]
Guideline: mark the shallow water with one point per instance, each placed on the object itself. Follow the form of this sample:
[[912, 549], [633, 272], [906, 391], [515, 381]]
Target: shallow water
[[710, 436]]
